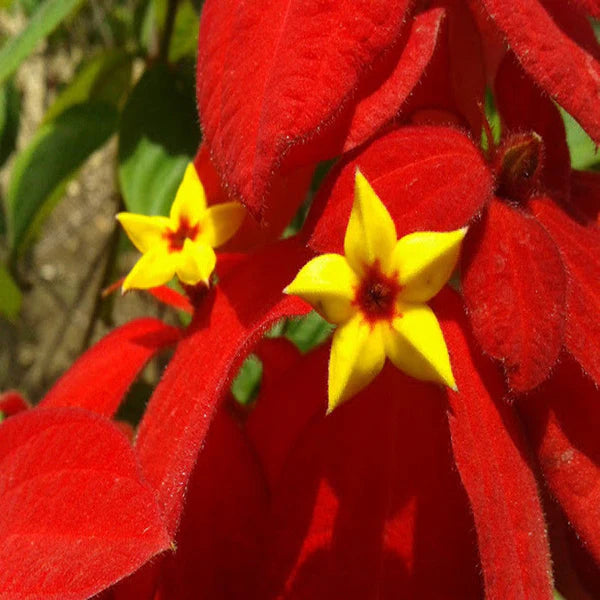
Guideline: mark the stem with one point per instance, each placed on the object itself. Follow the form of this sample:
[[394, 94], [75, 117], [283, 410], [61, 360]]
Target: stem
[[108, 270], [167, 33]]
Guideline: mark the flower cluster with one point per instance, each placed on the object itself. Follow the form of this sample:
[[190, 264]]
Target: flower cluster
[[466, 465]]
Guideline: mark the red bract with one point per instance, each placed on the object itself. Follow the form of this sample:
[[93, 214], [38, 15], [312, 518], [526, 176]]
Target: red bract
[[101, 377], [556, 49], [277, 79], [75, 514], [432, 178], [348, 505], [530, 276], [11, 403], [409, 489]]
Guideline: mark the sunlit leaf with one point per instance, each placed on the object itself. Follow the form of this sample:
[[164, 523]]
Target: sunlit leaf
[[184, 41], [581, 146], [158, 137], [308, 332], [245, 386], [56, 152]]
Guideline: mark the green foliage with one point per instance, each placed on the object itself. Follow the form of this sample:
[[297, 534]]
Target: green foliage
[[184, 42], [10, 104], [493, 119], [10, 295], [105, 78], [158, 137], [581, 146], [40, 172], [308, 332], [47, 16], [247, 382]]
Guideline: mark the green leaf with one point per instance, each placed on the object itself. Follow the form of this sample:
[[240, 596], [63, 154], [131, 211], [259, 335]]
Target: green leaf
[[106, 78], [184, 41], [247, 382], [158, 137], [581, 147], [493, 119], [309, 331], [56, 152], [10, 295], [45, 19], [10, 107]]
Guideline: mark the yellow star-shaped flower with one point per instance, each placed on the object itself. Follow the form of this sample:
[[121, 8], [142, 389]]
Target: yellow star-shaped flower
[[377, 296], [183, 242]]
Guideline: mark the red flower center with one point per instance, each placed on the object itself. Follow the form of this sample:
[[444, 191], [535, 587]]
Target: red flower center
[[177, 238], [376, 295]]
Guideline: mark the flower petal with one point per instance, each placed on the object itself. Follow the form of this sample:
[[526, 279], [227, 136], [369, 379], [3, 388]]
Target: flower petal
[[196, 262], [357, 356], [190, 200], [424, 261], [144, 232], [328, 283], [371, 234], [220, 222], [154, 268], [415, 344]]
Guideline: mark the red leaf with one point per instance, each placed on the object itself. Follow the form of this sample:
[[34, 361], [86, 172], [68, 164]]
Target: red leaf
[[100, 378], [428, 177], [557, 63], [514, 287], [74, 514], [12, 403], [590, 7], [454, 81], [523, 109], [226, 325], [565, 564], [492, 460], [576, 23], [275, 74], [275, 425], [378, 105], [562, 420], [218, 545], [585, 194], [356, 511], [580, 251], [172, 298], [465, 62]]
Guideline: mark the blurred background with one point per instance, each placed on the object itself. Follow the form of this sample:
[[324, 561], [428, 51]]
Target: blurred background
[[97, 115]]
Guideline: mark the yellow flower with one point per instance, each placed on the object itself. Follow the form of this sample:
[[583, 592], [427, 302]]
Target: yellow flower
[[183, 242], [377, 294]]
